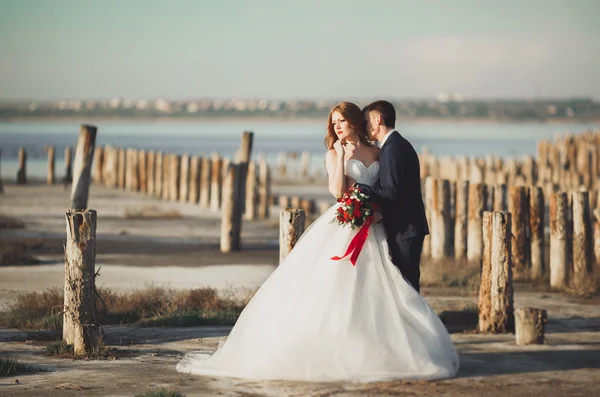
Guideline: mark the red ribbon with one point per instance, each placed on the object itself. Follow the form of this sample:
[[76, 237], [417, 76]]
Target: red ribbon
[[357, 243]]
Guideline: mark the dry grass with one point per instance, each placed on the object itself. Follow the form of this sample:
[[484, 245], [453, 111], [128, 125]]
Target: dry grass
[[16, 254], [10, 367], [450, 273], [61, 349], [152, 306], [151, 212]]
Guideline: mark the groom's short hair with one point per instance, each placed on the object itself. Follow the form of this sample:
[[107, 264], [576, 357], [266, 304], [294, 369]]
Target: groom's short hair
[[385, 109]]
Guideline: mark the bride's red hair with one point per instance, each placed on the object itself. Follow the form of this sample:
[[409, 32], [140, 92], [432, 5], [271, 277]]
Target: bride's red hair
[[354, 117]]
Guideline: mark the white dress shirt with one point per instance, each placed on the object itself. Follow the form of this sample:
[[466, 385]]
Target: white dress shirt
[[386, 137]]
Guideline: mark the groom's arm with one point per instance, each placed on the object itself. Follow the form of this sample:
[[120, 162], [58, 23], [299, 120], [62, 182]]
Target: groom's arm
[[389, 186]]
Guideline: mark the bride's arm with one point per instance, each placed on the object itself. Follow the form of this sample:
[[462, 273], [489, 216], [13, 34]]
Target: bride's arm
[[335, 169]]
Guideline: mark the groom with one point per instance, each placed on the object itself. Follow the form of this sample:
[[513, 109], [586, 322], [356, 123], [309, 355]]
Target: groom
[[398, 191]]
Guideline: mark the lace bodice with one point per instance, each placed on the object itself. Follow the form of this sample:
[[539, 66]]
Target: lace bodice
[[356, 170]]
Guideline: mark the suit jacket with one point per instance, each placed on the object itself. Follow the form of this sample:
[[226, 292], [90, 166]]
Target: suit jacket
[[398, 190]]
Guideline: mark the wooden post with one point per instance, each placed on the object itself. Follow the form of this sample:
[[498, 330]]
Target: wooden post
[[184, 178], [22, 172], [485, 287], [264, 189], [477, 196], [122, 169], [159, 159], [230, 221], [559, 257], [536, 226], [291, 227], [582, 241], [142, 170], [109, 167], [165, 193], [151, 173], [429, 199], [518, 206], [51, 161], [79, 319], [530, 325], [441, 244], [174, 177], [195, 170], [205, 182], [99, 158], [132, 181], [305, 164], [251, 192], [502, 289], [596, 237], [1, 184], [461, 223], [500, 199], [84, 157], [215, 182], [282, 164]]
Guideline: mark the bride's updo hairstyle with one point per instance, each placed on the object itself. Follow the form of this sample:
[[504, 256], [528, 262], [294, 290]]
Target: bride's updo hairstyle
[[354, 116]]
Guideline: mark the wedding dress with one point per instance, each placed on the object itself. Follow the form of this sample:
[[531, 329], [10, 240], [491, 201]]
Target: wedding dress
[[316, 319]]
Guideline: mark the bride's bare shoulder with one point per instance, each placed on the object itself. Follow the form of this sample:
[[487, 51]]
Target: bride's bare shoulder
[[375, 151]]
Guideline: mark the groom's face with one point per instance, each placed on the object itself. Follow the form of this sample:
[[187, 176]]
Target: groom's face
[[372, 125]]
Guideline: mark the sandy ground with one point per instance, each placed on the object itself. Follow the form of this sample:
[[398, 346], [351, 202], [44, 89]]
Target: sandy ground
[[183, 253]]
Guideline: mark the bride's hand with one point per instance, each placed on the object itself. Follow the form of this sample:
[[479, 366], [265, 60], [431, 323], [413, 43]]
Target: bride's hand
[[339, 147]]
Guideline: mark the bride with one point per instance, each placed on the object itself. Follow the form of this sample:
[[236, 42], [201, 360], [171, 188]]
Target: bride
[[318, 319]]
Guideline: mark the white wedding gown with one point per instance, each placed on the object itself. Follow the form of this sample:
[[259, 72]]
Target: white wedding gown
[[315, 319]]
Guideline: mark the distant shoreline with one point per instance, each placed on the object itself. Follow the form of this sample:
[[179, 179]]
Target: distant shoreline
[[258, 119]]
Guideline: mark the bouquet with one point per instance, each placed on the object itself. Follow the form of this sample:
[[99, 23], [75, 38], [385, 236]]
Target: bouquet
[[355, 210]]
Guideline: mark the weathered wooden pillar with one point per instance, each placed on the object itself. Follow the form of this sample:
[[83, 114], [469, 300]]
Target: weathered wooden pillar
[[167, 176], [174, 177], [159, 159], [195, 170], [518, 206], [122, 170], [461, 223], [184, 178], [441, 244], [305, 164], [502, 288], [205, 182], [559, 253], [68, 178], [596, 220], [429, 199], [582, 241], [283, 164], [216, 182], [151, 173], [132, 182], [22, 172], [530, 326], [477, 198], [264, 189], [99, 158], [230, 220], [291, 227], [251, 192], [1, 183], [500, 199], [51, 162], [142, 170], [536, 227], [80, 326], [245, 155], [484, 303], [84, 157]]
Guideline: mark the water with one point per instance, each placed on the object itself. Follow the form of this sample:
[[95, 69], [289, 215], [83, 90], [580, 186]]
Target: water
[[270, 137]]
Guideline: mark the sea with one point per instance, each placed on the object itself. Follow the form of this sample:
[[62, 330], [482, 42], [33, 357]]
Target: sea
[[270, 137]]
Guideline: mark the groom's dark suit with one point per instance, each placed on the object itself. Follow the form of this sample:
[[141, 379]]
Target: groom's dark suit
[[398, 191]]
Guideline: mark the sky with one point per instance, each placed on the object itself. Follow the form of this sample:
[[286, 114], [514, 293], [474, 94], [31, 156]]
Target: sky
[[298, 49]]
